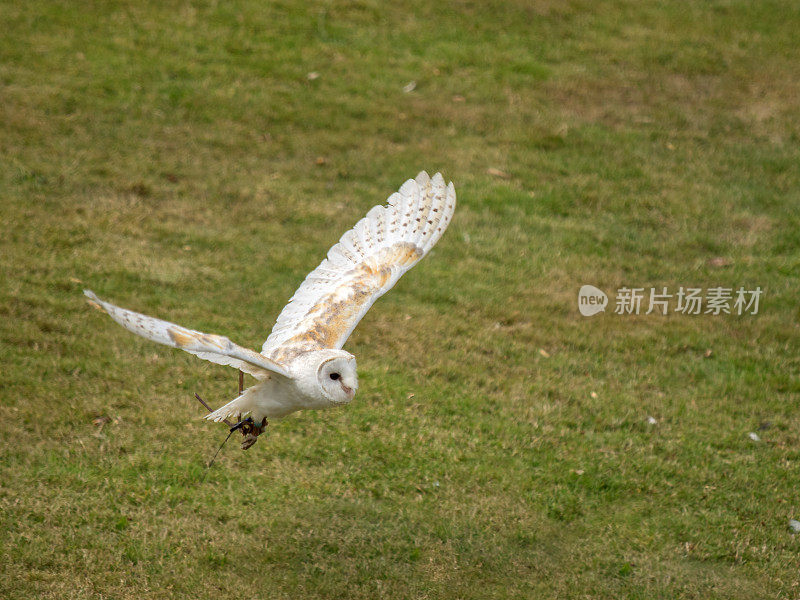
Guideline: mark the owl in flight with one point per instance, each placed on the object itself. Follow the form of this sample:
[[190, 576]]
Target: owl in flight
[[302, 364]]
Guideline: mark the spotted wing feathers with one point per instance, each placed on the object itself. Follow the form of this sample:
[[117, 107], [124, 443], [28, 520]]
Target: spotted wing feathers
[[215, 348], [365, 264]]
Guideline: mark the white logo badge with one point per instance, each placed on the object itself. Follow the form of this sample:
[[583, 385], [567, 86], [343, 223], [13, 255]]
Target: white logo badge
[[591, 300]]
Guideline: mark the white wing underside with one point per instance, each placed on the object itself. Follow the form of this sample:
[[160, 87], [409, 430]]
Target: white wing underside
[[364, 265], [215, 348]]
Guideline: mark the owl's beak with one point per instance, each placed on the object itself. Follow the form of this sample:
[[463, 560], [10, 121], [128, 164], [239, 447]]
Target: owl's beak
[[350, 387]]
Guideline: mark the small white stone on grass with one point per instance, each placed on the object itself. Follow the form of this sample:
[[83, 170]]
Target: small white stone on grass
[[652, 420], [794, 525], [754, 436]]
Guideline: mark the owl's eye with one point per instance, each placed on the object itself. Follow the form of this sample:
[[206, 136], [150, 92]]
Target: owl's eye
[[335, 376]]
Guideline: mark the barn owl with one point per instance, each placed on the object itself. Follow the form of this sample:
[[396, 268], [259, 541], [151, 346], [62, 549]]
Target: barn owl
[[301, 364]]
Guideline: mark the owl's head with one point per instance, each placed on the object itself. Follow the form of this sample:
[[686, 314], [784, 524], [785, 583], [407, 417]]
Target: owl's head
[[337, 378]]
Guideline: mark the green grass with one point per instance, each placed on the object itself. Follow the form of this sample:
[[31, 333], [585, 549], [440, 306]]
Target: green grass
[[165, 154]]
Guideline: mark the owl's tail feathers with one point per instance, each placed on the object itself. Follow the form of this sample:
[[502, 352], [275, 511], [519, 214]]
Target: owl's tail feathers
[[236, 409]]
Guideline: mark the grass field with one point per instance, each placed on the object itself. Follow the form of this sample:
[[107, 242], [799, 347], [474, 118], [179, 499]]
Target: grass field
[[194, 160]]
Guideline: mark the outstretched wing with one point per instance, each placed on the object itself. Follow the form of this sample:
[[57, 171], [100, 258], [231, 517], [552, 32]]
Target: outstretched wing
[[364, 265], [215, 348]]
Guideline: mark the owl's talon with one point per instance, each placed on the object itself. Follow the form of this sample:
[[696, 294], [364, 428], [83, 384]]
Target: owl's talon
[[249, 440], [250, 431]]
